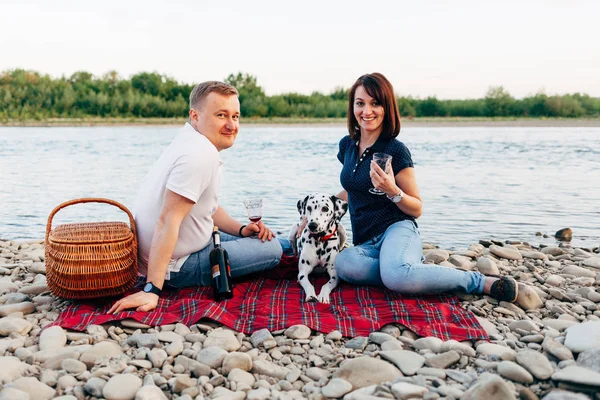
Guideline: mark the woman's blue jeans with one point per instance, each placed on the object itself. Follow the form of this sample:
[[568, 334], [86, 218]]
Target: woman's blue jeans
[[246, 256], [394, 259]]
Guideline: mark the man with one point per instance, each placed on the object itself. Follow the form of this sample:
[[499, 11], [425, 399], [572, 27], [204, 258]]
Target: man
[[177, 206]]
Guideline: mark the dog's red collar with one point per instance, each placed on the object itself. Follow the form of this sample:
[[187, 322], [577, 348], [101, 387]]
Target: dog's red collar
[[324, 238]]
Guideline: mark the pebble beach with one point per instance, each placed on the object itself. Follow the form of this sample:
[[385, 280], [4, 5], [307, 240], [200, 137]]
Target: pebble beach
[[544, 346]]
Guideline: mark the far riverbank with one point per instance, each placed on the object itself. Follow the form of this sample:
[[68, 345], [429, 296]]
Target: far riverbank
[[406, 122]]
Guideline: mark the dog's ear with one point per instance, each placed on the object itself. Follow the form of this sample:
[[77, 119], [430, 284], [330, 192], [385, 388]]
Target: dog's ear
[[341, 207], [301, 205]]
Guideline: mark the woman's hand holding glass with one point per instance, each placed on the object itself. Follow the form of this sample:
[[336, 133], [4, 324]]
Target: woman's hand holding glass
[[384, 181]]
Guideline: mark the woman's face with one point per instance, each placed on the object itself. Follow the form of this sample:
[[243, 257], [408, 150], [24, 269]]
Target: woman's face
[[368, 112]]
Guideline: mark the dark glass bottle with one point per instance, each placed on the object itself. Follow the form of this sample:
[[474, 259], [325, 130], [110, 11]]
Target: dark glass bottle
[[221, 272]]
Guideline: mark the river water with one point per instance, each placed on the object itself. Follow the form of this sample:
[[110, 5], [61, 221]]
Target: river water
[[475, 182]]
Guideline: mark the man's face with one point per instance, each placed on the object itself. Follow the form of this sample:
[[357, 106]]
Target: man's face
[[217, 118]]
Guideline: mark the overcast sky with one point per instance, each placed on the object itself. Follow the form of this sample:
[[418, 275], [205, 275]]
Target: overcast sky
[[448, 49]]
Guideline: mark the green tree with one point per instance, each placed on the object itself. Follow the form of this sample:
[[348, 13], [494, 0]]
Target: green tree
[[498, 102]]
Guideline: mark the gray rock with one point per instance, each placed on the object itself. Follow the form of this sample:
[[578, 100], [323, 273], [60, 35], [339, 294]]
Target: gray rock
[[298, 332], [431, 343], [53, 338], [443, 360], [94, 386], [487, 266], [336, 388], [334, 335], [9, 325], [11, 370], [357, 343], [239, 376], [258, 337], [236, 360], [157, 357], [26, 307], [122, 387], [405, 390], [461, 262], [578, 271], [100, 351], [489, 387], [366, 371], [593, 262], [436, 256], [73, 366], [558, 394], [258, 394], [222, 338], [528, 298], [492, 349], [380, 337], [557, 349], [579, 375], [590, 359], [268, 368], [536, 363], [10, 393], [408, 361], [582, 337], [148, 340], [514, 372], [506, 252], [36, 389], [150, 392], [212, 356]]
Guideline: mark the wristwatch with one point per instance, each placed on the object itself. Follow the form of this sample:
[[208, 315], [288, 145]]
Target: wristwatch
[[150, 288], [397, 198]]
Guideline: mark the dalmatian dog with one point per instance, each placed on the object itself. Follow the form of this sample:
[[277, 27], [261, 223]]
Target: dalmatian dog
[[320, 242]]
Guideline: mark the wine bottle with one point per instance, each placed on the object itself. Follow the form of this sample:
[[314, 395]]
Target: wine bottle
[[221, 272]]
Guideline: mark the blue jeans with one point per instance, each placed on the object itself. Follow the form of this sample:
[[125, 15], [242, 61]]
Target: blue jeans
[[246, 255], [394, 259]]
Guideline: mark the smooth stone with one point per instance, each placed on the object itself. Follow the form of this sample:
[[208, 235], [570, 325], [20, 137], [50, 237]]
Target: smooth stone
[[380, 337], [122, 387], [559, 394], [174, 348], [234, 360], [593, 262], [408, 361], [268, 368], [9, 325], [298, 332], [461, 348], [555, 280], [489, 387], [443, 360], [66, 382], [514, 372], [258, 394], [212, 356], [51, 338], [357, 343], [558, 324], [10, 393], [578, 271], [26, 307], [132, 323], [239, 376], [492, 349], [506, 252], [392, 345], [582, 337], [221, 393], [436, 256], [461, 262], [435, 372], [557, 349], [94, 386], [36, 389], [405, 390], [258, 337], [224, 339], [528, 298], [489, 327], [536, 363], [553, 251], [534, 255], [12, 369], [99, 352], [169, 336], [334, 335], [590, 359], [524, 325], [73, 366], [487, 266], [431, 343], [150, 392], [366, 371], [336, 387], [579, 375], [157, 357], [148, 340]]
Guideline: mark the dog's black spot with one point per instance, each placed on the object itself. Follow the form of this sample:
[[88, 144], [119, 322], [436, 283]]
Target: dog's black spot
[[328, 258], [307, 263], [302, 277], [302, 261], [328, 250], [303, 240]]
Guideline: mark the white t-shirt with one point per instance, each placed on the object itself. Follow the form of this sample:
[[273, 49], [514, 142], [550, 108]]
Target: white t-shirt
[[190, 167]]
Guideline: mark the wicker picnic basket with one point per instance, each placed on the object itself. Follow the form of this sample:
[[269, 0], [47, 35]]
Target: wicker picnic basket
[[91, 260]]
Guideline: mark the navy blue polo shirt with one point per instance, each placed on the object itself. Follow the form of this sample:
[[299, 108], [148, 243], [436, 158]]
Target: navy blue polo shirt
[[370, 214]]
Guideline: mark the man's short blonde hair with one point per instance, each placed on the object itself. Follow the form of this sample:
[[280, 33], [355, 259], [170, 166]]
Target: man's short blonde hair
[[203, 89]]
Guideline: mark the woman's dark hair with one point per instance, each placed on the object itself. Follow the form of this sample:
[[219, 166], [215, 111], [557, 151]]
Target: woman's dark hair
[[378, 87]]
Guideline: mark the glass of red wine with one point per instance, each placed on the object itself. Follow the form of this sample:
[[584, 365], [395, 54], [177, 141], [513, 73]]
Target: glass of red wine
[[254, 209]]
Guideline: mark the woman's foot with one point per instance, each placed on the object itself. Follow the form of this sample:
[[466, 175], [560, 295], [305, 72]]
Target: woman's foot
[[504, 288]]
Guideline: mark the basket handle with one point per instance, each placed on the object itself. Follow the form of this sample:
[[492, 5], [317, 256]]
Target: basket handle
[[89, 200]]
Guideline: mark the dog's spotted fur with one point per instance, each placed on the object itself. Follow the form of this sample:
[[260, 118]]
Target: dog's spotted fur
[[322, 239]]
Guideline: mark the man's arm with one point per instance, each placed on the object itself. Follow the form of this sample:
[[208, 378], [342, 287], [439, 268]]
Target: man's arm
[[228, 224], [174, 210]]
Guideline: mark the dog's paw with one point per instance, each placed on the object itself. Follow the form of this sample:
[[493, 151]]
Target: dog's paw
[[323, 298], [310, 298]]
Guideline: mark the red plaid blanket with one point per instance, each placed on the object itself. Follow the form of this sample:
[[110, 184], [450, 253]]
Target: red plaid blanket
[[279, 303]]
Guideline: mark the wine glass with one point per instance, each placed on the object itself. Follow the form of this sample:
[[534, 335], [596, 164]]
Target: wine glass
[[383, 160], [254, 209]]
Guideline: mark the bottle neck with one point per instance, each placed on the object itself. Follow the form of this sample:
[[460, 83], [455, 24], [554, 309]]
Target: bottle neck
[[216, 239]]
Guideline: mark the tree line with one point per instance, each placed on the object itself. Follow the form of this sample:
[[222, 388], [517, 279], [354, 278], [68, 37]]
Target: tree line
[[29, 95]]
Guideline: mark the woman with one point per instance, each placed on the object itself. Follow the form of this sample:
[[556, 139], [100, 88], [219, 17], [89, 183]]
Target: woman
[[387, 245]]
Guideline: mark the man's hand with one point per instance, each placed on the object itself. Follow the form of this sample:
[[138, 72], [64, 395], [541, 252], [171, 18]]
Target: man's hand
[[259, 229], [141, 300]]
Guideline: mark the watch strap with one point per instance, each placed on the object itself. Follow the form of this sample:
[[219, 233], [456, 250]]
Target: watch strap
[[149, 287]]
